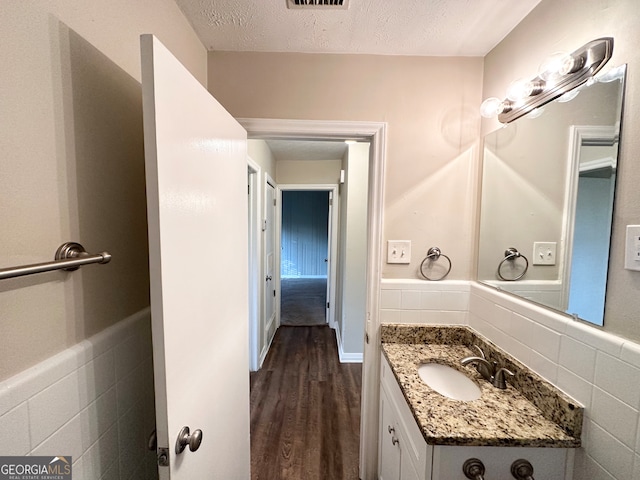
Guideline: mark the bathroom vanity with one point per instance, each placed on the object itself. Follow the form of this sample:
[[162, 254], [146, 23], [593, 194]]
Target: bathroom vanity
[[427, 435]]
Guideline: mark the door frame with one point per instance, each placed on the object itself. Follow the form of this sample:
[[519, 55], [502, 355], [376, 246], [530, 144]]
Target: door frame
[[268, 181], [255, 266], [332, 188], [578, 134], [376, 134]]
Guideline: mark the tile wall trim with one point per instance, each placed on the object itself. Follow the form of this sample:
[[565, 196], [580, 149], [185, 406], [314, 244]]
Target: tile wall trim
[[93, 401]]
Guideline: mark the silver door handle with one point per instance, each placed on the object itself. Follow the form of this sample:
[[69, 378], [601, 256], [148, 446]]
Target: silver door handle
[[185, 437], [152, 444]]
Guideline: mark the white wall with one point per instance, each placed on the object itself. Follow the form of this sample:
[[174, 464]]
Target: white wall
[[353, 253], [597, 369], [260, 153], [308, 171], [431, 107]]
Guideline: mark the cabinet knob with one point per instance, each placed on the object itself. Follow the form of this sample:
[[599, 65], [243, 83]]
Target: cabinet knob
[[390, 429], [394, 440]]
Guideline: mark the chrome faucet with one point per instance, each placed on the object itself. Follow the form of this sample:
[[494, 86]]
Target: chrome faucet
[[489, 370]]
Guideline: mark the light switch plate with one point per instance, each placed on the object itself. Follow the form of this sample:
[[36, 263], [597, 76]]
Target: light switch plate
[[544, 253], [632, 250], [399, 251]]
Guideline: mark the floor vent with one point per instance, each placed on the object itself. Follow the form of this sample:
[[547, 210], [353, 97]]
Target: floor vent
[[318, 4]]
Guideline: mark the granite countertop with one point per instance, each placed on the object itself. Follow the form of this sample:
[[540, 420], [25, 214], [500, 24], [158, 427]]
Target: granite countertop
[[530, 412]]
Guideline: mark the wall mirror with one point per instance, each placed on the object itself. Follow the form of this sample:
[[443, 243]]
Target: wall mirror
[[547, 200]]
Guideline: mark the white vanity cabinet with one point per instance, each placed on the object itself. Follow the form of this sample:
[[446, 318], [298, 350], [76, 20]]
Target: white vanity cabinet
[[404, 453]]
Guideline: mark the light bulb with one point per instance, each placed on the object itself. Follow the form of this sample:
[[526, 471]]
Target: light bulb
[[520, 89], [490, 107], [570, 64], [550, 69]]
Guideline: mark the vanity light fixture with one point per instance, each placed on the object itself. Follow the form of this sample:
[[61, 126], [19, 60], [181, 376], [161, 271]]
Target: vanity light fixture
[[557, 75]]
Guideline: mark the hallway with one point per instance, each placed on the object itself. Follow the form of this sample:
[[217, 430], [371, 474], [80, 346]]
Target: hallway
[[303, 301], [305, 409]]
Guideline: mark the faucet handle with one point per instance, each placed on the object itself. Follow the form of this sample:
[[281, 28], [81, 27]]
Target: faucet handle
[[479, 351], [499, 380]]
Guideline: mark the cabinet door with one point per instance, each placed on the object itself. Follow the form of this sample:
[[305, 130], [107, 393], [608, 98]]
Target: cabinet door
[[407, 469], [389, 448]]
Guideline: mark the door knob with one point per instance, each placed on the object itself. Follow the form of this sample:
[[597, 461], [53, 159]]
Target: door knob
[[269, 277], [152, 444], [185, 437]]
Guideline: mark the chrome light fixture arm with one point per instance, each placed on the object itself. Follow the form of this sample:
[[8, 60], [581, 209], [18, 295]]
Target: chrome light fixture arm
[[556, 78]]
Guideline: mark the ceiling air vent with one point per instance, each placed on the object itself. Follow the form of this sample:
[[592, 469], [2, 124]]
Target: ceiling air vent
[[318, 4]]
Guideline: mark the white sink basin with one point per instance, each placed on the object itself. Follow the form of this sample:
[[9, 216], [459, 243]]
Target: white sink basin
[[449, 382]]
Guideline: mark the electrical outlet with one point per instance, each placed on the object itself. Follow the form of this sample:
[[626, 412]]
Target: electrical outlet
[[544, 253], [632, 250], [399, 251]]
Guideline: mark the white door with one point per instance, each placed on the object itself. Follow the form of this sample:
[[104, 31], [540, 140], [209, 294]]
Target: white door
[[329, 261], [270, 261], [197, 215]]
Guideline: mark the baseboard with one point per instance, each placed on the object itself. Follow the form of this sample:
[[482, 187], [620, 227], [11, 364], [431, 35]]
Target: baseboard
[[344, 356], [266, 348]]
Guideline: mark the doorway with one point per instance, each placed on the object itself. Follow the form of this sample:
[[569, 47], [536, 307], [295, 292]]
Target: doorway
[[375, 134], [304, 240], [308, 254]]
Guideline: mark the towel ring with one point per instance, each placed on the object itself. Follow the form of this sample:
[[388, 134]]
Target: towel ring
[[433, 254], [510, 255]]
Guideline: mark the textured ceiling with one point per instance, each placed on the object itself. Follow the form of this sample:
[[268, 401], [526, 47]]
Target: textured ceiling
[[284, 150], [385, 27]]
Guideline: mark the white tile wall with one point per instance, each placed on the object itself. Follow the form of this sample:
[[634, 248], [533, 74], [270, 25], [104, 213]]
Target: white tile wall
[[421, 301], [94, 402], [599, 370]]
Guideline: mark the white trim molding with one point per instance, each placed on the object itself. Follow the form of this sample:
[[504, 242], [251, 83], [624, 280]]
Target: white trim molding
[[346, 357]]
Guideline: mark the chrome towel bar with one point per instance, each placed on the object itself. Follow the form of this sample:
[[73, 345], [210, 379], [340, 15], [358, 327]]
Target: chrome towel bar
[[69, 256]]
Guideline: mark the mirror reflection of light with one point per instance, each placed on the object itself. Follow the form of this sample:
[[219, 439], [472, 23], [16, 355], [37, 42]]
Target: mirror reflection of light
[[535, 113], [611, 75], [567, 97]]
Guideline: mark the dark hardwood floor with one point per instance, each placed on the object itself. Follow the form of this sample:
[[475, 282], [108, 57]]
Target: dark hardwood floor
[[305, 409]]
